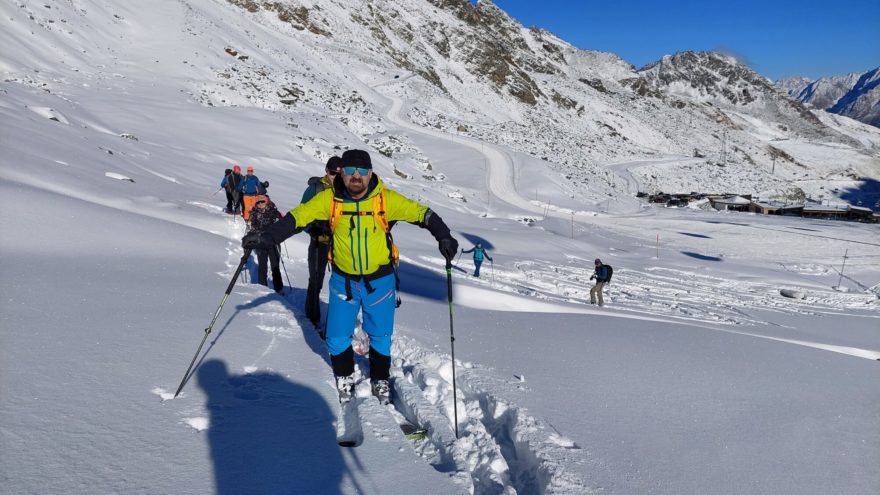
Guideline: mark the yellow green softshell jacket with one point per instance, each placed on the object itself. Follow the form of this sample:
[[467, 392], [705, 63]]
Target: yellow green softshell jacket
[[360, 245]]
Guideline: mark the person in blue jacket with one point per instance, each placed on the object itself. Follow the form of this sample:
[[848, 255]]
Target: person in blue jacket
[[250, 188], [479, 254]]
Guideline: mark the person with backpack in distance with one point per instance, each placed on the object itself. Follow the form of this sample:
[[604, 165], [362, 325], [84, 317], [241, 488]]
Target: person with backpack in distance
[[250, 188], [602, 275], [319, 245], [223, 182], [479, 254], [231, 183], [361, 211], [264, 214]]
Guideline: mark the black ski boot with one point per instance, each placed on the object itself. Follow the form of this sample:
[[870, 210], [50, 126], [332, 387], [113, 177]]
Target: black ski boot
[[382, 391]]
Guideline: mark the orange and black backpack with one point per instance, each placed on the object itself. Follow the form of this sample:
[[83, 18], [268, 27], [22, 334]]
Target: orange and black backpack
[[377, 210]]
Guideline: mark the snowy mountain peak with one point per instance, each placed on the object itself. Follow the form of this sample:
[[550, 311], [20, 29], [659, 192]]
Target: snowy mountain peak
[[854, 95], [463, 67], [709, 76]]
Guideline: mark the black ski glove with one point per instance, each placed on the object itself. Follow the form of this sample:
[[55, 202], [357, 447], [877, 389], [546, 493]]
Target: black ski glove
[[257, 240], [320, 228], [448, 247]]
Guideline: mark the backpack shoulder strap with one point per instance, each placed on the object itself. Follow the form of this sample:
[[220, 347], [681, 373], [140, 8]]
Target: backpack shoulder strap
[[335, 212], [379, 211]]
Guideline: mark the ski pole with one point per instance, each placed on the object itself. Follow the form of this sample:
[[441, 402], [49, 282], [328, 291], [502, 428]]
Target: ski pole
[[492, 264], [278, 250], [207, 197], [244, 258], [452, 343], [244, 277]]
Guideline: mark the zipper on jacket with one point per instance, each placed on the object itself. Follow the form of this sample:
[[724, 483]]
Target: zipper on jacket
[[357, 208], [367, 251]]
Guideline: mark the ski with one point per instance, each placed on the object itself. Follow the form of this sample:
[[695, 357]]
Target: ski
[[412, 432], [416, 416]]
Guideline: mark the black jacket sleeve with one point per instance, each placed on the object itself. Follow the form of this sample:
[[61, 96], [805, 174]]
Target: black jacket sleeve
[[435, 225], [282, 229]]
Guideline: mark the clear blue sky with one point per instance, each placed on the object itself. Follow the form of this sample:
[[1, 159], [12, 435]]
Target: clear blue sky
[[776, 38]]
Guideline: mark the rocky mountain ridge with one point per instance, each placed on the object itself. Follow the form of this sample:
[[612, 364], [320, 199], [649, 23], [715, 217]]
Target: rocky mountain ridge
[[855, 95], [471, 69]]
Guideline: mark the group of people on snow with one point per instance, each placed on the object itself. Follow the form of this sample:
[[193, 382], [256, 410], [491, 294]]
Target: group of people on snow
[[242, 190], [348, 213]]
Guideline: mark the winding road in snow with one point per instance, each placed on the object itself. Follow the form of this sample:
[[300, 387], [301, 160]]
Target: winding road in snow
[[500, 165], [500, 181], [500, 169]]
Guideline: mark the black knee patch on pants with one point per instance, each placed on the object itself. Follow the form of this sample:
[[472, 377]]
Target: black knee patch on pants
[[343, 363], [380, 365]]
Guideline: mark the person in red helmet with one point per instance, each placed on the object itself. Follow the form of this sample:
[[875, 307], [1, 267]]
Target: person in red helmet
[[231, 183]]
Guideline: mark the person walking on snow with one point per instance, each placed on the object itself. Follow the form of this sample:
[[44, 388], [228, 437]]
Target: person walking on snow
[[250, 188], [363, 257], [231, 183], [319, 245], [479, 254], [601, 277], [262, 216]]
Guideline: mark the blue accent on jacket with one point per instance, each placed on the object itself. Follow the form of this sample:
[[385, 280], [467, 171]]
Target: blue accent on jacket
[[479, 254]]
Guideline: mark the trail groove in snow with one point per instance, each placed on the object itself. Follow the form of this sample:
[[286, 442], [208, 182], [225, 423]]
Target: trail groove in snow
[[501, 448]]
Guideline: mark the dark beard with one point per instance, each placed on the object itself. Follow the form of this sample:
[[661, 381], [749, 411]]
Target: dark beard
[[356, 188]]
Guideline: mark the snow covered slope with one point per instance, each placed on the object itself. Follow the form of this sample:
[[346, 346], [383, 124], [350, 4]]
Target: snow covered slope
[[698, 376]]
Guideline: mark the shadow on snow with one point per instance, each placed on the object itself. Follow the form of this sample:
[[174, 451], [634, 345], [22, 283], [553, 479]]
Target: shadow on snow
[[474, 239], [420, 281], [268, 434], [293, 301], [701, 256], [866, 195]]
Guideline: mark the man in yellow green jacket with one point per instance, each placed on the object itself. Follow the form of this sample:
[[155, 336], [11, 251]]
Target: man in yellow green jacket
[[363, 264]]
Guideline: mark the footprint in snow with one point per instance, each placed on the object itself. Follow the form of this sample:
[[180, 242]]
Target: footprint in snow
[[198, 424], [562, 441], [162, 393]]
